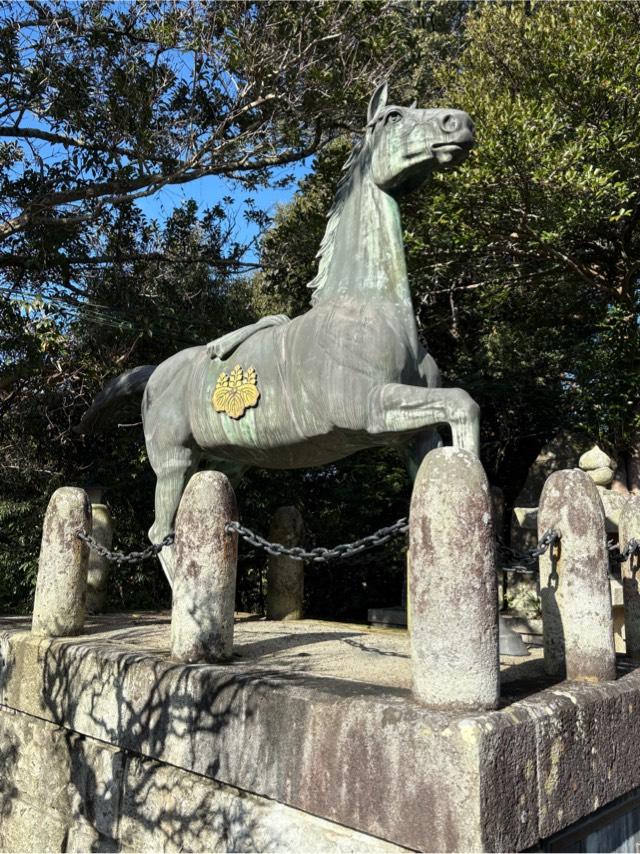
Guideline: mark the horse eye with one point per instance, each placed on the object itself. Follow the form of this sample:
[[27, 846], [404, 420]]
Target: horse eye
[[393, 117]]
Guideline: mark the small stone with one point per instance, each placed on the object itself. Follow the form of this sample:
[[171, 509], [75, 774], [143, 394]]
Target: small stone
[[595, 458], [602, 476]]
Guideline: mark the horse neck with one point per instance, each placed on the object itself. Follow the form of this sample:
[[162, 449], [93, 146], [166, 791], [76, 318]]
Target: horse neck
[[367, 262]]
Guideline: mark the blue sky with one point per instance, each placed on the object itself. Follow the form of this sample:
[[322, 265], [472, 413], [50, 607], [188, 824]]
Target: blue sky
[[211, 189]]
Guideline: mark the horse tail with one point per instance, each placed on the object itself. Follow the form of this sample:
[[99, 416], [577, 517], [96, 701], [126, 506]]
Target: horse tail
[[119, 392]]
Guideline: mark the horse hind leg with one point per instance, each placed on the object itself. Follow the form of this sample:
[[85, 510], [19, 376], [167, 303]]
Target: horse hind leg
[[173, 470]]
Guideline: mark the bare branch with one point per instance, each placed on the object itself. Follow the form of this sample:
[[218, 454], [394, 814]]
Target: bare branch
[[60, 139]]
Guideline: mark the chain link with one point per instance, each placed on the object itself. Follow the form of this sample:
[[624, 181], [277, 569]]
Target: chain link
[[528, 558], [631, 548], [321, 555], [132, 557], [382, 535]]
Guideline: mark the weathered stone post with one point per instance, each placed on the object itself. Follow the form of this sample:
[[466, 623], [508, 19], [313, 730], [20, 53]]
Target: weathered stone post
[[285, 575], [629, 529], [61, 588], [453, 598], [99, 566], [204, 585], [574, 581]]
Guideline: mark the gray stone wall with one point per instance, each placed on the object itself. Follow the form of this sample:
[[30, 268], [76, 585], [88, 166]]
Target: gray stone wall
[[61, 791]]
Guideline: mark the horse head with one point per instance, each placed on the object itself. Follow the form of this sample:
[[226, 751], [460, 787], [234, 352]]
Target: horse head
[[407, 144]]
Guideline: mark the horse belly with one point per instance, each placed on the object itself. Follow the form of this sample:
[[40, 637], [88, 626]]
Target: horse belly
[[273, 433], [308, 453]]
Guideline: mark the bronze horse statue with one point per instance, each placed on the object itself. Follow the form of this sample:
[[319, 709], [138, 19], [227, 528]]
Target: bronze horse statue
[[347, 375]]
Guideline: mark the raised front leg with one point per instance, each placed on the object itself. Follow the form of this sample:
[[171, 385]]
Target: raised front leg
[[395, 408]]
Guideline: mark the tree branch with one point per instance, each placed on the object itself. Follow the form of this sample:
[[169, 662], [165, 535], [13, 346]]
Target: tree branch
[[117, 191], [10, 260], [12, 131]]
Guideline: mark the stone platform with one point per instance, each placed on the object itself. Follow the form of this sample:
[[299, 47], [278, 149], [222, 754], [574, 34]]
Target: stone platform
[[308, 740]]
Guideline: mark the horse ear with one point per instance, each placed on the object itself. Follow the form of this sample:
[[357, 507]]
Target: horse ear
[[378, 102], [413, 105]]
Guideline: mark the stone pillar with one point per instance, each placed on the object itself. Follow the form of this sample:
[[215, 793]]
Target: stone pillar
[[285, 575], [453, 597], [204, 585], [574, 581], [99, 567], [61, 588], [629, 529]]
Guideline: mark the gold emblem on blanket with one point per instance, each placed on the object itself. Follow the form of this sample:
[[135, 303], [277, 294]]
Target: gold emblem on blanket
[[235, 392]]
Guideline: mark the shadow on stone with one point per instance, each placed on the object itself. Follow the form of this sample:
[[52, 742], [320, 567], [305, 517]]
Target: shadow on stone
[[9, 756], [119, 798], [552, 622], [282, 643]]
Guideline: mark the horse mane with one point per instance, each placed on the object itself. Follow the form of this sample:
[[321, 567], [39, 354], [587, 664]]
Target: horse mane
[[343, 191]]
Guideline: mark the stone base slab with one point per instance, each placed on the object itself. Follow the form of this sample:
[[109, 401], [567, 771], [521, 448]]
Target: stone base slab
[[317, 719], [60, 791]]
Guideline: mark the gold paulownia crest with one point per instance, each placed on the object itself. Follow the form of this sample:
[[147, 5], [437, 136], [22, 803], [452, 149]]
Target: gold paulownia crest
[[236, 392]]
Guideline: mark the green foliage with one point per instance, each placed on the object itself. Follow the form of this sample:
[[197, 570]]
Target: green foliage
[[540, 226], [605, 379], [19, 520]]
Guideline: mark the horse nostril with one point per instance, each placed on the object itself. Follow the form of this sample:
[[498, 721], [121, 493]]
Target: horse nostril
[[449, 123]]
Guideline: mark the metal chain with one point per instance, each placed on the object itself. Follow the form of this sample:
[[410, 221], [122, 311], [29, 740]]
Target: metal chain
[[631, 548], [321, 555], [132, 557], [529, 557], [345, 550]]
